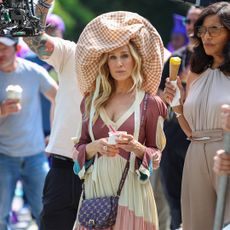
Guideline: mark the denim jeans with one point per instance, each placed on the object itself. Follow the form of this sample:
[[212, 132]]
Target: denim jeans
[[32, 171]]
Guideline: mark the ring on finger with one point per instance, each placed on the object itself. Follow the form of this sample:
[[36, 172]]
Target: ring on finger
[[105, 148]]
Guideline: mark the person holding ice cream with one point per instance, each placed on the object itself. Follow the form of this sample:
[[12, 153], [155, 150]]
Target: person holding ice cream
[[22, 141], [119, 65], [198, 113]]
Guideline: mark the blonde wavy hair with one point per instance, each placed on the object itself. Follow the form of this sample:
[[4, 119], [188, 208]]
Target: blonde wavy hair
[[107, 85]]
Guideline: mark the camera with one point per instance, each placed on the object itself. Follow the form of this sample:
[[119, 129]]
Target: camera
[[18, 18]]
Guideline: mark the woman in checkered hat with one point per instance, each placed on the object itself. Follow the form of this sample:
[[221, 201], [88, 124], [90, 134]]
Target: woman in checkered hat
[[119, 59]]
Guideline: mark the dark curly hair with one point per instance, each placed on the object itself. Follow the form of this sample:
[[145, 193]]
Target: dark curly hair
[[200, 61]]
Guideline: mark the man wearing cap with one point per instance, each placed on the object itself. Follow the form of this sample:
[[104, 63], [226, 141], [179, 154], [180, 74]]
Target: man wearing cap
[[62, 187], [21, 138]]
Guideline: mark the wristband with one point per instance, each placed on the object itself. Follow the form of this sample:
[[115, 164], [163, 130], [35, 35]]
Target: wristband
[[44, 4]]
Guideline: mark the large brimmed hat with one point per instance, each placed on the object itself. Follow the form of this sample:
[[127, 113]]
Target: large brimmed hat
[[113, 30]]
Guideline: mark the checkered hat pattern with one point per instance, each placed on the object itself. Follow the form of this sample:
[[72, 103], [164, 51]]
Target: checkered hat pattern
[[110, 31]]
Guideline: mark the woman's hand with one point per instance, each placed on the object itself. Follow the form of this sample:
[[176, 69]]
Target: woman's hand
[[222, 163], [129, 144], [225, 117], [104, 148], [170, 91], [157, 160], [101, 146]]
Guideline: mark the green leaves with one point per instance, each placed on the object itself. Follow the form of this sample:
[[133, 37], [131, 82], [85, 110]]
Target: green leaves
[[77, 13]]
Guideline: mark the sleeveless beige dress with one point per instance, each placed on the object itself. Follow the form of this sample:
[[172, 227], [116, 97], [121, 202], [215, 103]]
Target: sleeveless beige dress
[[200, 183]]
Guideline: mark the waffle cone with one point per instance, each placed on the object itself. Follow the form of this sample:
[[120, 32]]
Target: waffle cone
[[174, 68]]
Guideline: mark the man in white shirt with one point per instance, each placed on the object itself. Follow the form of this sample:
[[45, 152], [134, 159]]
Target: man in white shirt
[[62, 188]]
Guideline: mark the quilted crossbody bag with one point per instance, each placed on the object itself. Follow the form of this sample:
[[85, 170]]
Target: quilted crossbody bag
[[101, 213]]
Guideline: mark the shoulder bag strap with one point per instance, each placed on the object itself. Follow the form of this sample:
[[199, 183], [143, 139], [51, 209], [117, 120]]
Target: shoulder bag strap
[[124, 175]]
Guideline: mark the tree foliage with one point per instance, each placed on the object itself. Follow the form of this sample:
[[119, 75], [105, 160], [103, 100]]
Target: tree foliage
[[77, 13]]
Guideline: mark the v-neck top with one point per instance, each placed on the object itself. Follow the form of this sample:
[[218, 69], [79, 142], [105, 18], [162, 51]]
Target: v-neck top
[[206, 95], [151, 108], [116, 124]]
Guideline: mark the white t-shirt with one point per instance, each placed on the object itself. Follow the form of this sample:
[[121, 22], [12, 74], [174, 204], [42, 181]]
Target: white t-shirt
[[67, 113]]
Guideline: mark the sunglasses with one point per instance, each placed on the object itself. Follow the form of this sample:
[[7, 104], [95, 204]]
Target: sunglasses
[[213, 31]]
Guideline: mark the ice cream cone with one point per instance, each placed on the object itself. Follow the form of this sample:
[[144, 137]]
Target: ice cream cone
[[174, 68], [14, 92]]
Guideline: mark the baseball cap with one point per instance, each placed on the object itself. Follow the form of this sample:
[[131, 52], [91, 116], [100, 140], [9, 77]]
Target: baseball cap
[[9, 40]]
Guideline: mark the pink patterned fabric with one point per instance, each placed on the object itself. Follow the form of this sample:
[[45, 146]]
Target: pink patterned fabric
[[113, 30]]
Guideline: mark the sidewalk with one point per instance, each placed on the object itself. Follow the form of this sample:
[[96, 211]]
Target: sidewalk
[[22, 220]]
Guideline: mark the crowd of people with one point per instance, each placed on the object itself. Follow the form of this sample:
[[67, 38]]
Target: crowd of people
[[112, 124]]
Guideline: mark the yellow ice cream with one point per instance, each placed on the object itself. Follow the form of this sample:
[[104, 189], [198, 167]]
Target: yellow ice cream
[[174, 67], [175, 61]]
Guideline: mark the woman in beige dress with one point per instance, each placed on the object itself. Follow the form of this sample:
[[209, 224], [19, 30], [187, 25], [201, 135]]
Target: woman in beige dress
[[208, 87]]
